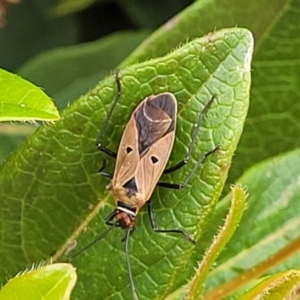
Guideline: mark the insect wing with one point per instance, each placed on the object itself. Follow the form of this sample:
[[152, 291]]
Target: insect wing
[[146, 144], [154, 119], [128, 156], [153, 164]]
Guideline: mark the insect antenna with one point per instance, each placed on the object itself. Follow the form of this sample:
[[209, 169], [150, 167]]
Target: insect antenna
[[104, 126], [100, 237], [126, 246]]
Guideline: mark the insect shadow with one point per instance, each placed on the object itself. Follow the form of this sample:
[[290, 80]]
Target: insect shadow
[[142, 156]]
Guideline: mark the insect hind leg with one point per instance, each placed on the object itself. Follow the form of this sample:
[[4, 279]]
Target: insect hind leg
[[179, 186], [104, 126], [156, 229], [188, 155]]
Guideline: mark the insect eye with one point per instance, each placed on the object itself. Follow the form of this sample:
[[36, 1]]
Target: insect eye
[[128, 149], [154, 159]]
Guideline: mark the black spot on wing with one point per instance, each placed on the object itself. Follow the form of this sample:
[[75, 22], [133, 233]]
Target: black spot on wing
[[128, 150], [154, 159]]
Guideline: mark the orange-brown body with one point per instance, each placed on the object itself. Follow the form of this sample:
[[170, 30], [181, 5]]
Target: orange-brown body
[[144, 151]]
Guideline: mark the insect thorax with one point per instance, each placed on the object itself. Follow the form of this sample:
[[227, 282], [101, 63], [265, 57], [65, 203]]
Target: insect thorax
[[123, 195]]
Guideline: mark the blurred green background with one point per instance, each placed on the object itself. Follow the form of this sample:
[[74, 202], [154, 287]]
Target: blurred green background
[[66, 47]]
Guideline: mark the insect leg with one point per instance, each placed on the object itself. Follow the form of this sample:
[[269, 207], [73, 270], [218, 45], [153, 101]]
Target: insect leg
[[188, 156], [126, 246], [105, 174], [100, 237], [108, 220], [106, 150], [104, 126], [179, 186], [156, 229]]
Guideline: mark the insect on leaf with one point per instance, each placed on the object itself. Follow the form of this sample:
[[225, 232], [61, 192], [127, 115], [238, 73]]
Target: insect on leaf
[[51, 192]]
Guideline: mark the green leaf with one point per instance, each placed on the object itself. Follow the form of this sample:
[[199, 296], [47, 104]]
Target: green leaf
[[233, 218], [277, 287], [53, 282], [21, 100], [52, 194], [267, 239]]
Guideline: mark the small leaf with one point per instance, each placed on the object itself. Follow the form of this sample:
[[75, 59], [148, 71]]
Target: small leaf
[[284, 285], [21, 100], [238, 197], [53, 282]]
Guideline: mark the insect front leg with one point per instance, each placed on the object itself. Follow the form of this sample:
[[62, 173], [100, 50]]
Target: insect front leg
[[99, 144], [179, 186], [156, 229], [188, 155]]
